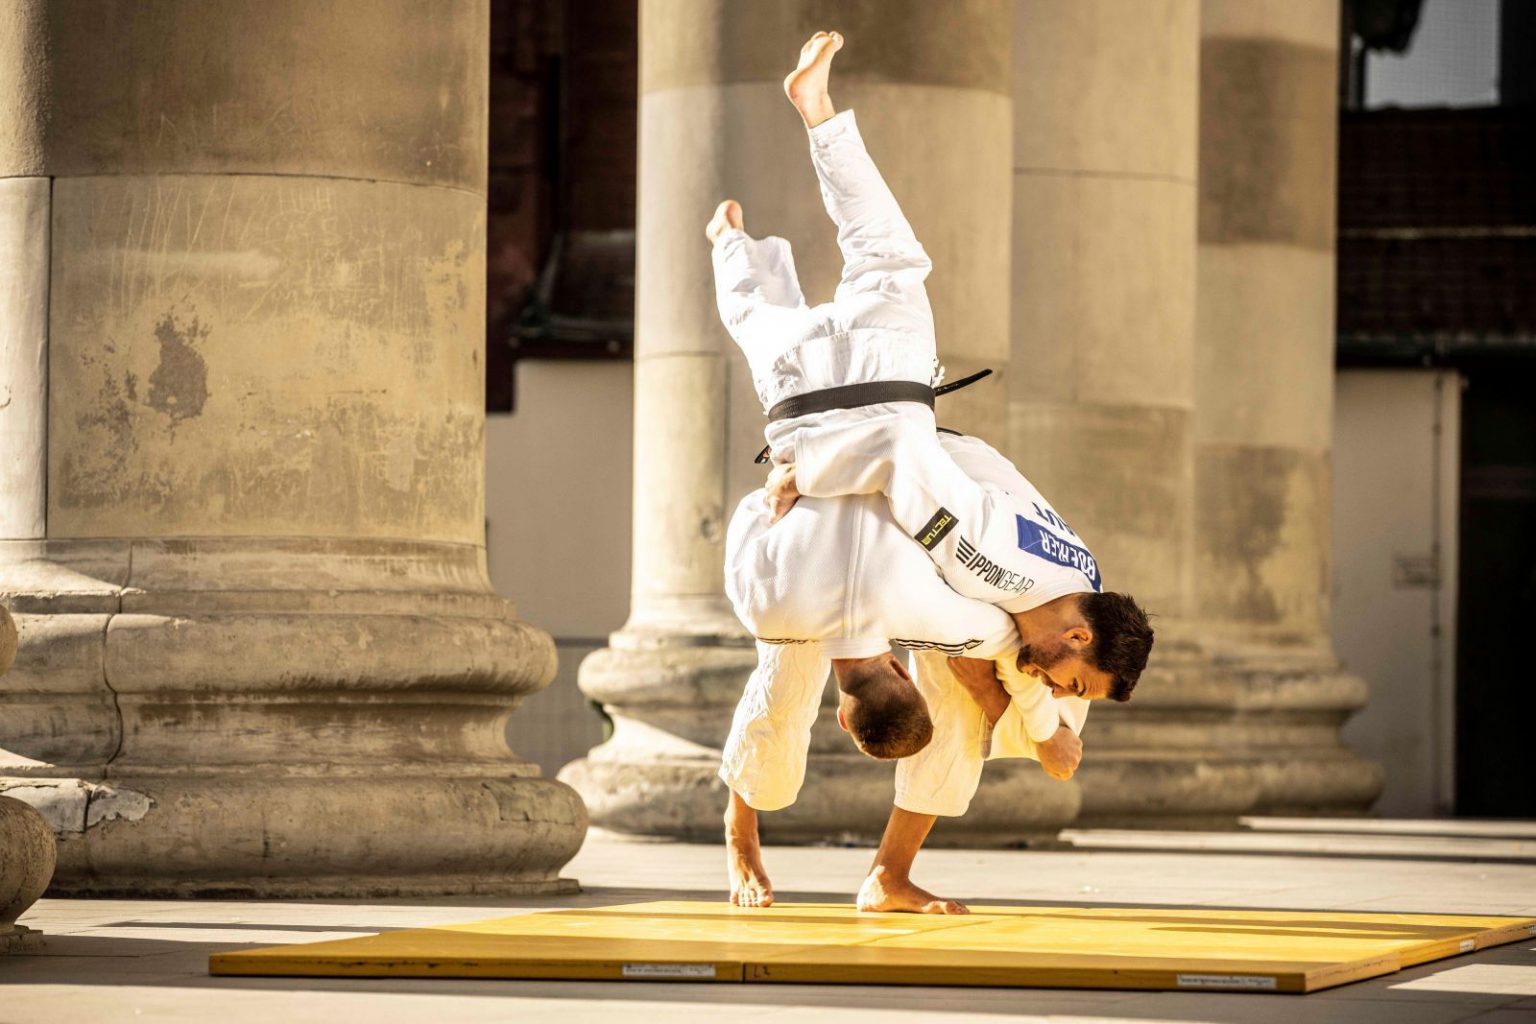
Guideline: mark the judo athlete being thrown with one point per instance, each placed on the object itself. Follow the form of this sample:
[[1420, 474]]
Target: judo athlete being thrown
[[849, 390]]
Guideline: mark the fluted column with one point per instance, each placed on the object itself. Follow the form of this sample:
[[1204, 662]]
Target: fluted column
[[1264, 392], [929, 83], [241, 322]]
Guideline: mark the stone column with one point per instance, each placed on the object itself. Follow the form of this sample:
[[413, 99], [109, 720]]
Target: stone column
[[1105, 105], [241, 490], [714, 123], [1264, 393], [1116, 417]]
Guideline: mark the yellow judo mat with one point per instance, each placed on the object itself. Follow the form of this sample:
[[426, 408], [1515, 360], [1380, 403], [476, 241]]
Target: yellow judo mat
[[1048, 947]]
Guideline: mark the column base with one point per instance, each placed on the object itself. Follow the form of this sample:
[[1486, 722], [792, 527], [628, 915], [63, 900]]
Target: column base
[[1205, 744], [846, 801], [278, 718], [308, 837], [20, 939], [27, 861]]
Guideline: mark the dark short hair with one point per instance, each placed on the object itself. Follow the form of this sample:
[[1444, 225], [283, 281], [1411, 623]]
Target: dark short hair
[[886, 716], [1122, 639]]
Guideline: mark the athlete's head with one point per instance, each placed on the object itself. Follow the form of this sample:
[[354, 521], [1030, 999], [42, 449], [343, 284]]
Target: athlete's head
[[1086, 645], [880, 707]]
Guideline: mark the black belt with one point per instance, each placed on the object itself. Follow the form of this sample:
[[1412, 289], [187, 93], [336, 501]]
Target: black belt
[[853, 396]]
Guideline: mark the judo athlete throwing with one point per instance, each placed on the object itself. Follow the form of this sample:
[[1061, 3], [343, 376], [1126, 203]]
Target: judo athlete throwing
[[851, 382]]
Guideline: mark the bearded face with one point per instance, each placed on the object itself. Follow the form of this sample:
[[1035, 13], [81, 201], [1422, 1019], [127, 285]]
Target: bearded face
[[1045, 655]]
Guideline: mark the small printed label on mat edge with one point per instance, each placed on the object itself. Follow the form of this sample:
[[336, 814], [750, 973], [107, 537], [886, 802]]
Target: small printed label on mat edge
[[669, 970], [1245, 981], [1468, 945]]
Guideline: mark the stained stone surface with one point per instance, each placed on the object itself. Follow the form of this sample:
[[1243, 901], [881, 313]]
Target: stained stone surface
[[1172, 297]]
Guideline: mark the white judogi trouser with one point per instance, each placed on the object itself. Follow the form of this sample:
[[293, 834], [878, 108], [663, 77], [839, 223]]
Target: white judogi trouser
[[878, 326], [763, 760]]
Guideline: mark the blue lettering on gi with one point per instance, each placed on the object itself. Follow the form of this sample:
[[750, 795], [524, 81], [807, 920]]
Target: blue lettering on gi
[[1037, 540], [1052, 518]]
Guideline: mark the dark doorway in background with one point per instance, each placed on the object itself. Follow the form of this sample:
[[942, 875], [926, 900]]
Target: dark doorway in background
[[1496, 631]]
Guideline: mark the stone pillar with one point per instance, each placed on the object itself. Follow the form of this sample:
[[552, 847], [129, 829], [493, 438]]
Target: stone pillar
[[1103, 277], [714, 123], [241, 489], [1102, 402], [1115, 418], [1264, 393], [8, 641]]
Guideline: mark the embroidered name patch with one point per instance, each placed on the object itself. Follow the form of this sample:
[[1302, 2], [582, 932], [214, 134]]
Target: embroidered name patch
[[936, 528], [1037, 540]]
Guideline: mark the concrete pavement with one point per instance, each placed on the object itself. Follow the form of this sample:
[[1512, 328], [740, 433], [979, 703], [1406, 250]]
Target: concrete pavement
[[138, 960]]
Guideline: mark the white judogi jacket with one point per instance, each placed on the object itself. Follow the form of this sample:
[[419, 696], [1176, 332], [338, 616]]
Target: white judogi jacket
[[942, 777], [992, 534], [832, 579], [842, 573]]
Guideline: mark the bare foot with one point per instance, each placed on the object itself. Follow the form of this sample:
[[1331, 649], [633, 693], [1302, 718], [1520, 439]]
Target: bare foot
[[744, 856], [727, 215], [884, 893], [806, 86], [749, 880]]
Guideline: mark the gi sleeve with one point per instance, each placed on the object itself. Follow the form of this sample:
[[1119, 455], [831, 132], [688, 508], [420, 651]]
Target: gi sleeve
[[764, 756], [971, 530], [1033, 716], [922, 613]]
